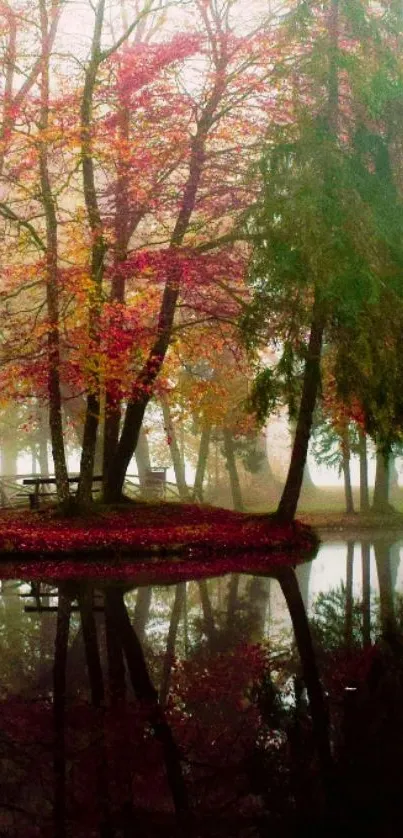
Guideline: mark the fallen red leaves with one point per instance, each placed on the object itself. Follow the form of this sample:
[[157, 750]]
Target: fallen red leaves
[[147, 533]]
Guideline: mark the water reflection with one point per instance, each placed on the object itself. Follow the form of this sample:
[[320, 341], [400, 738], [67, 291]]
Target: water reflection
[[196, 709]]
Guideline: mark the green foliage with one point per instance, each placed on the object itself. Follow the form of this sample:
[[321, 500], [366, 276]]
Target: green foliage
[[369, 370], [327, 444], [264, 397], [329, 223], [329, 618]]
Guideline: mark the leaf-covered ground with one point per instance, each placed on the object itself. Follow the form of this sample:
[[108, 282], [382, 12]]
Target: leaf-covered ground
[[200, 536]]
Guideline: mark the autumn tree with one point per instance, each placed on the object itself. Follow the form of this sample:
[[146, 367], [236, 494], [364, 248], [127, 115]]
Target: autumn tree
[[202, 209], [115, 208]]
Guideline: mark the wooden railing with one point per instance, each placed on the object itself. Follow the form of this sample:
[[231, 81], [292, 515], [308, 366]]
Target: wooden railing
[[15, 490]]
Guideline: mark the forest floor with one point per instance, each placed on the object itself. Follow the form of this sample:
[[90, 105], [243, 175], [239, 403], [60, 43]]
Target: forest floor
[[171, 537], [357, 523], [324, 510]]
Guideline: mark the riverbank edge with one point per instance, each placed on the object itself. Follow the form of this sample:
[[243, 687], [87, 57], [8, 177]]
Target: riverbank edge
[[149, 530], [338, 524]]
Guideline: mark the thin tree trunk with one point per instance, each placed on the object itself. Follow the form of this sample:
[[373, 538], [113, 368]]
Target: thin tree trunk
[[232, 470], [52, 280], [364, 490], [291, 592], [386, 599], [380, 501], [180, 593], [98, 251], [265, 470], [142, 610], [143, 459], [116, 666], [33, 459], [42, 438], [123, 229], [174, 448], [93, 660], [59, 709], [145, 382], [259, 595], [9, 454], [303, 573], [145, 691], [393, 475], [85, 601], [202, 462], [366, 593], [348, 626], [232, 598], [346, 454], [291, 492], [289, 499], [307, 482], [209, 624]]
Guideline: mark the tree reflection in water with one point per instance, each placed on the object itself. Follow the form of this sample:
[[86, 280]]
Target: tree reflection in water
[[204, 728]]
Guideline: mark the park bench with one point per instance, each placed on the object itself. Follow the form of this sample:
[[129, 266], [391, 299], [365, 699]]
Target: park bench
[[41, 483]]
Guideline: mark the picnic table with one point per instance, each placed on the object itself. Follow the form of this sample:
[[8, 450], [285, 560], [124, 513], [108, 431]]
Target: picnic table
[[42, 482]]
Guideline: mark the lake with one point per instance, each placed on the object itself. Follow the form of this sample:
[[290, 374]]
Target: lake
[[206, 708]]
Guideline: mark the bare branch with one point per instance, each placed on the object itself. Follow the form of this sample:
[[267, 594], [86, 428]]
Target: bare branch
[[8, 213]]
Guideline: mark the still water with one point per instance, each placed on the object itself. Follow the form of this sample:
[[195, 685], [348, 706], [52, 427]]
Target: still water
[[206, 708]]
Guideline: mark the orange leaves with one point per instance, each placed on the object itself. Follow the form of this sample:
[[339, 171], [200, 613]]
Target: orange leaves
[[152, 98]]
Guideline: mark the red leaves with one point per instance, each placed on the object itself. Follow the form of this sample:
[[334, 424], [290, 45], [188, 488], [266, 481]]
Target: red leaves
[[201, 540], [142, 64]]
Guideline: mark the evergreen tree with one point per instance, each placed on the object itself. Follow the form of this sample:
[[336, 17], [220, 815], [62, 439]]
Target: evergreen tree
[[328, 229]]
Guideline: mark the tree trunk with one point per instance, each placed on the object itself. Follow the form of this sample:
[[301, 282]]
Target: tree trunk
[[290, 589], [258, 599], [97, 723], [393, 475], [145, 382], [174, 448], [52, 279], [265, 471], [180, 593], [366, 593], [98, 251], [114, 479], [291, 492], [386, 598], [232, 470], [142, 610], [87, 461], [143, 459], [346, 454], [201, 463], [380, 502], [59, 706], [9, 454], [364, 491], [307, 482], [146, 692], [233, 602], [208, 616], [92, 655], [116, 665], [348, 627], [303, 573], [42, 438]]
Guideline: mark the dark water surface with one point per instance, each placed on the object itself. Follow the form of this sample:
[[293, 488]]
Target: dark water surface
[[206, 708]]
